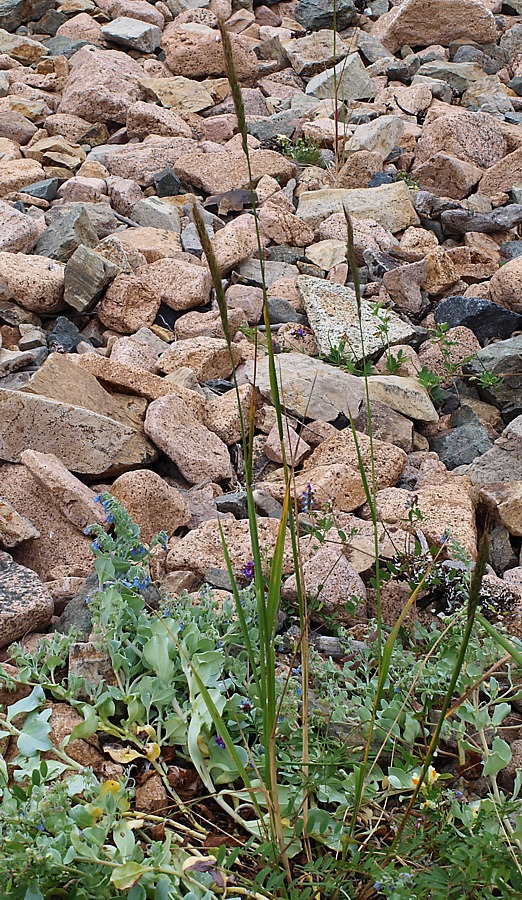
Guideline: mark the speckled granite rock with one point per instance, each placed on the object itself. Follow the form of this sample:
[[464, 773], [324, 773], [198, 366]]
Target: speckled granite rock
[[25, 603]]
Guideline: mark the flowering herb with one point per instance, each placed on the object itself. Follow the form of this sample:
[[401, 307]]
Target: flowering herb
[[248, 571]]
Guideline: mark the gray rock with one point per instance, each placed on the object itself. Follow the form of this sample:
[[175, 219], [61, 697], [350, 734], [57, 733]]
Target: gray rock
[[460, 221], [13, 360], [333, 316], [68, 227], [87, 275], [468, 53], [503, 358], [429, 206], [503, 462], [310, 388], [267, 128], [218, 578], [468, 439], [235, 503], [511, 40], [387, 425], [65, 336], [460, 76], [60, 45], [512, 249], [31, 337], [43, 190], [25, 603], [250, 271], [486, 319], [77, 615], [15, 315], [501, 553], [351, 78], [280, 311], [51, 21], [152, 212], [317, 14], [167, 183], [133, 33], [14, 13], [371, 47]]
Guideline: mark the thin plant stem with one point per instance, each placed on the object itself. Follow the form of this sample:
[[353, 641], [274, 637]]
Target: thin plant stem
[[473, 603]]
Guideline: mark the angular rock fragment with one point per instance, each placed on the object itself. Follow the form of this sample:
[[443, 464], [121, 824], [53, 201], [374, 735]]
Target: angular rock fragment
[[334, 317], [25, 603], [197, 452], [14, 528]]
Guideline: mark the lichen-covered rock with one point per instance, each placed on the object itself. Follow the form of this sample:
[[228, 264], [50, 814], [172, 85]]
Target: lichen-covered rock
[[25, 603]]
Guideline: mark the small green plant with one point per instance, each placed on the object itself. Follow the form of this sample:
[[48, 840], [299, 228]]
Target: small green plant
[[395, 362], [304, 150], [408, 179], [340, 355]]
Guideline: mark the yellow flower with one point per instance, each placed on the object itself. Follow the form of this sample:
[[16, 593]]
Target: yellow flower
[[110, 787], [431, 777]]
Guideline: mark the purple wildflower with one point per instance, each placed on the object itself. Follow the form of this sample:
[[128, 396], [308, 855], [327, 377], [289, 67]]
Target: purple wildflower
[[220, 742], [248, 571], [307, 499]]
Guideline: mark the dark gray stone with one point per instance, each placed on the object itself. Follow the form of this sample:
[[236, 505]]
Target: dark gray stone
[[511, 250], [503, 358], [14, 13], [317, 14], [77, 614], [218, 578], [362, 117], [68, 227], [50, 23], [286, 254], [379, 263], [511, 40], [459, 221], [371, 47], [281, 311], [501, 553], [380, 178], [87, 275], [429, 206], [464, 442], [43, 190], [484, 318], [266, 129], [235, 503], [65, 336], [219, 385], [60, 45], [166, 183], [516, 85], [403, 69], [468, 53], [13, 314]]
